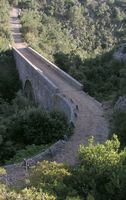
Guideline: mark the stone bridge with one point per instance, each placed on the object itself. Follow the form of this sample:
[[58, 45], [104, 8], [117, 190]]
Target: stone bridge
[[45, 83], [53, 88]]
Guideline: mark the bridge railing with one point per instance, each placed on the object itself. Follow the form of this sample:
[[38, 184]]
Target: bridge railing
[[19, 57], [60, 72]]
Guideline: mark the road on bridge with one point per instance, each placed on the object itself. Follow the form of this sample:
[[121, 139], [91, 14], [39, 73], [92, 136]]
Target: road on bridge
[[90, 120]]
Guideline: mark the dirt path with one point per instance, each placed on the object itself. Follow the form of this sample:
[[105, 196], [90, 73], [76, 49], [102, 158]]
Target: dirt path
[[90, 120]]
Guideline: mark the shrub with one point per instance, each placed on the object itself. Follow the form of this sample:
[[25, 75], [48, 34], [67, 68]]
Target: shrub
[[26, 194], [101, 172], [50, 177], [22, 123], [27, 152], [2, 171], [36, 126], [119, 126]]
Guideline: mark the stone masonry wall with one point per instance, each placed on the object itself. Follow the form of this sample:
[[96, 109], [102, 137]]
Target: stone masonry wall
[[45, 92]]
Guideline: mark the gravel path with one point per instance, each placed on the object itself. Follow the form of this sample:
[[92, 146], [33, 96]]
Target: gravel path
[[90, 118]]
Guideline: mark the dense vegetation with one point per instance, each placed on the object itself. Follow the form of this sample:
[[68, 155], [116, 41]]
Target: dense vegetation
[[80, 37], [66, 31], [119, 126], [5, 35], [25, 128], [99, 175], [9, 81], [23, 124]]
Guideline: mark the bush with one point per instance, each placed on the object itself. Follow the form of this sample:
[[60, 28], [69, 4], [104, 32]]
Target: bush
[[119, 126], [50, 176], [36, 126], [22, 123], [31, 193], [2, 171], [27, 152], [101, 173]]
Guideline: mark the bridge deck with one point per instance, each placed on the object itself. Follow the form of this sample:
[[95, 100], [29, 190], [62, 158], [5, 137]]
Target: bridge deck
[[59, 81], [90, 120]]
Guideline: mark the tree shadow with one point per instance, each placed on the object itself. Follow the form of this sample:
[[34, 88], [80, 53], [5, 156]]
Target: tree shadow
[[9, 79]]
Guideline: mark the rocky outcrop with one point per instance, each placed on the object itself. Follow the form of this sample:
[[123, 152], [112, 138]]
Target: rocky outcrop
[[120, 104]]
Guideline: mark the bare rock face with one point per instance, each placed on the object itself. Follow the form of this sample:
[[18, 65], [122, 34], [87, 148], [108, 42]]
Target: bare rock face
[[120, 53], [120, 104]]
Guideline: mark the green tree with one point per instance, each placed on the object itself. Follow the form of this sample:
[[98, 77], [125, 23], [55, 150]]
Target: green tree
[[101, 171]]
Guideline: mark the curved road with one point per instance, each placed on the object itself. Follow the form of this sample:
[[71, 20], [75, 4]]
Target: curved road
[[90, 119]]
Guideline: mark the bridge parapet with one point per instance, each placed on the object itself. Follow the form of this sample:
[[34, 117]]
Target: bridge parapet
[[64, 104], [43, 88], [57, 70]]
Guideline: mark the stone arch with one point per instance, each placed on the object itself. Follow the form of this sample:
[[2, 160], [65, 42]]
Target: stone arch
[[28, 91]]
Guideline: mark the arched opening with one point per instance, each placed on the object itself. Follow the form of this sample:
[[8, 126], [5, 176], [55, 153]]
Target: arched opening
[[28, 91]]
